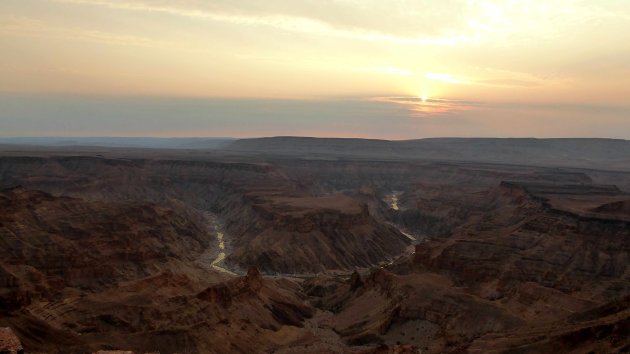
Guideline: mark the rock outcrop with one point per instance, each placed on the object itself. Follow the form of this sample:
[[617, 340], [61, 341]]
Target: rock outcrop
[[304, 234], [59, 242], [106, 253], [9, 342]]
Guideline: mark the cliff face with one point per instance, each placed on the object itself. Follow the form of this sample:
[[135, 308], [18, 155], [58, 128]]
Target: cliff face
[[272, 220], [523, 252], [169, 313], [303, 234], [70, 242], [117, 253], [197, 183], [77, 276], [9, 342], [519, 275], [423, 310], [603, 329]]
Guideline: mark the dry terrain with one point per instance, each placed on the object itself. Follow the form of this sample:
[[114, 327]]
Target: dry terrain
[[300, 246]]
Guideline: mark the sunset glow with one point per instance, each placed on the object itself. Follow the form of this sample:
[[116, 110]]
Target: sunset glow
[[442, 77], [502, 55]]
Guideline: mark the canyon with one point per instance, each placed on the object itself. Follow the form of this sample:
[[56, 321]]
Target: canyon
[[301, 245]]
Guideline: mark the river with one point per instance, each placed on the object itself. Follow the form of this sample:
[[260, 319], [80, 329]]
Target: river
[[214, 256]]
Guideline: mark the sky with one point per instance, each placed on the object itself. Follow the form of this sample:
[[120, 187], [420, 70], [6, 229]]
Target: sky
[[396, 69]]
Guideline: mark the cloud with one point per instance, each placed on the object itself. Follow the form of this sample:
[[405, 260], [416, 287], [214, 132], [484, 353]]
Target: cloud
[[421, 22], [563, 49], [424, 107], [12, 25], [442, 77], [291, 23], [509, 82], [393, 70]]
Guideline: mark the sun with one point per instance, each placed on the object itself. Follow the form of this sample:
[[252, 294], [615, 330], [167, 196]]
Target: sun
[[424, 97]]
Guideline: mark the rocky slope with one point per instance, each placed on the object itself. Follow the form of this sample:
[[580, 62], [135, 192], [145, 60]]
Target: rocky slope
[[517, 276], [273, 221], [520, 239], [51, 243], [116, 252], [303, 234], [78, 276], [603, 329]]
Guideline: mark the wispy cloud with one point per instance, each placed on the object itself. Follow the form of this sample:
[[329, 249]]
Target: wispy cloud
[[442, 77], [426, 107], [509, 82], [505, 78], [510, 78], [393, 70], [281, 22], [12, 25]]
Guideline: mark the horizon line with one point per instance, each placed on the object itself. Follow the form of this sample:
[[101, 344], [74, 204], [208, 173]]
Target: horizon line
[[296, 136]]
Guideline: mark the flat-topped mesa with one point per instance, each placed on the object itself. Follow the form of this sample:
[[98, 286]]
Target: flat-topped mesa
[[542, 189], [589, 153], [293, 234], [621, 208], [587, 201], [305, 214]]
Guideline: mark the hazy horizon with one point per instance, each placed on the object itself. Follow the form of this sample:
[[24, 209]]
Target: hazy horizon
[[4, 139], [67, 116]]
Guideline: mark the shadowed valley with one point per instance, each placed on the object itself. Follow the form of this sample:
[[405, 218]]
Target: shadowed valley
[[296, 245]]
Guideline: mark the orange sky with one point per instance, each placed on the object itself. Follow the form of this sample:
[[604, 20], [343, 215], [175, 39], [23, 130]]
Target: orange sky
[[463, 57]]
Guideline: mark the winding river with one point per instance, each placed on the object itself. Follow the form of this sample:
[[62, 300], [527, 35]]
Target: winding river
[[393, 200], [211, 258]]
